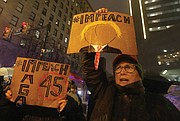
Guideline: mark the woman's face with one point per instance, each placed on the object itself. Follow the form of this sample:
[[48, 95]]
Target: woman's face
[[126, 73]]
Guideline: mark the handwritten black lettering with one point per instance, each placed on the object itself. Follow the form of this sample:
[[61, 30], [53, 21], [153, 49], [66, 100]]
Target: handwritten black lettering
[[63, 69], [20, 98], [55, 83], [28, 77], [46, 83]]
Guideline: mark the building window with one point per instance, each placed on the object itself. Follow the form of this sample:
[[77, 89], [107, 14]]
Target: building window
[[61, 36], [44, 11], [65, 39], [47, 2], [159, 28], [77, 4], [14, 20], [70, 15], [164, 19], [59, 13], [23, 43], [51, 17], [36, 5], [20, 7], [32, 16], [56, 1], [69, 22], [68, 31], [5, 1], [54, 8], [61, 5], [55, 32], [68, 3], [163, 12], [57, 22], [1, 9], [150, 1], [63, 27], [72, 8], [41, 22], [66, 11], [64, 49], [64, 19]]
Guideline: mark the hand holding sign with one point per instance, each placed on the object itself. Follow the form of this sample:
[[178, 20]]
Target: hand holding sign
[[37, 82], [113, 31]]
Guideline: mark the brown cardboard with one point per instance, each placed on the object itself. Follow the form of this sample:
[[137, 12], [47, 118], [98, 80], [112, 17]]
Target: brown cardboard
[[40, 83], [101, 29]]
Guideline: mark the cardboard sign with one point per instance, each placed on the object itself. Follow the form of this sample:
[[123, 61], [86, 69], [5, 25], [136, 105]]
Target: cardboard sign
[[40, 83], [102, 32]]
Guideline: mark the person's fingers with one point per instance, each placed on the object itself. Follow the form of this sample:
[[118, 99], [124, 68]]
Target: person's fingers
[[102, 10], [62, 104], [8, 94]]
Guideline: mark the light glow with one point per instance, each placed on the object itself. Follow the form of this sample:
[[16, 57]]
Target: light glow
[[142, 19]]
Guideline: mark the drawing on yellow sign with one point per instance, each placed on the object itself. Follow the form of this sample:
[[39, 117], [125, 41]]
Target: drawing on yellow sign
[[110, 32], [95, 45]]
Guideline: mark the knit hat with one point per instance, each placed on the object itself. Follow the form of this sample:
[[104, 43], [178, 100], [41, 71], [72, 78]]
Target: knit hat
[[127, 58]]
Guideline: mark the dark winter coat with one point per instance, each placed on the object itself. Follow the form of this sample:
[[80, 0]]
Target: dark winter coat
[[128, 103], [34, 113]]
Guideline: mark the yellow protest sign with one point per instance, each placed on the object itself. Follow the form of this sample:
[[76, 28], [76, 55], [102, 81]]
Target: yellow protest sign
[[102, 32], [41, 83]]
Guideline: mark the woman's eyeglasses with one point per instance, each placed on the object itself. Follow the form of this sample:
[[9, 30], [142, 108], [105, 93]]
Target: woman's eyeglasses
[[129, 68]]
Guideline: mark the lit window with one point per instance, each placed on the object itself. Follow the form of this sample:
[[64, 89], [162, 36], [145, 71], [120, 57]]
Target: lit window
[[65, 39], [69, 22], [153, 7], [5, 1], [159, 63], [47, 2], [77, 4], [155, 21], [165, 51], [41, 22], [57, 22], [23, 43]]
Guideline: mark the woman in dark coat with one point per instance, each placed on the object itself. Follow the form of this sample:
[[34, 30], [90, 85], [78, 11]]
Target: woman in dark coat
[[125, 98]]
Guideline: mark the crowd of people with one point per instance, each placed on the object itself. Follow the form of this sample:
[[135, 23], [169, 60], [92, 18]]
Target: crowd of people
[[121, 99]]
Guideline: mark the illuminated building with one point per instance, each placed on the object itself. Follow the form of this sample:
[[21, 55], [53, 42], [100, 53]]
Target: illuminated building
[[49, 28], [158, 36]]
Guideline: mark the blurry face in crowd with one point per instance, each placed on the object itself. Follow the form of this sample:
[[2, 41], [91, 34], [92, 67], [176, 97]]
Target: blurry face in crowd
[[126, 73], [73, 90]]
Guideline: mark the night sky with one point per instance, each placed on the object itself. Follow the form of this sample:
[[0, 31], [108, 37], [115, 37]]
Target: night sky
[[112, 5]]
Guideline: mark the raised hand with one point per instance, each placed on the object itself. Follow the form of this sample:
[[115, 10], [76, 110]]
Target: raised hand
[[102, 10]]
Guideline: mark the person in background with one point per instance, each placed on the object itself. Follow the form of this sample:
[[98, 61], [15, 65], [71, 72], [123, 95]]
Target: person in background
[[5, 106], [173, 95], [73, 93], [125, 98]]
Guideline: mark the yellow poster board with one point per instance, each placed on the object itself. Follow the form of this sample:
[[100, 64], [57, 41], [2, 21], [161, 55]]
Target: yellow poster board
[[102, 32], [41, 83]]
